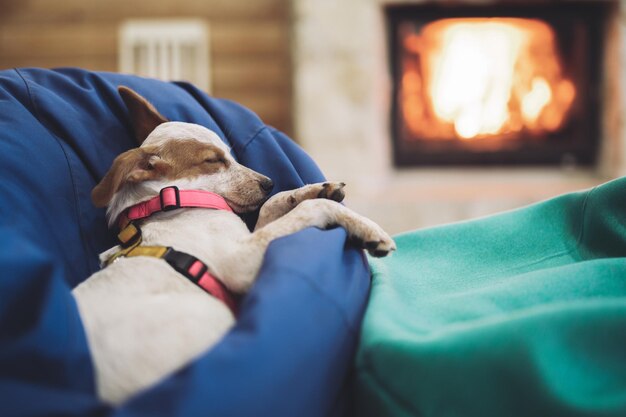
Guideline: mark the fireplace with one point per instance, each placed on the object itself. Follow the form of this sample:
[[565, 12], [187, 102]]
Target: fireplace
[[497, 84], [344, 92]]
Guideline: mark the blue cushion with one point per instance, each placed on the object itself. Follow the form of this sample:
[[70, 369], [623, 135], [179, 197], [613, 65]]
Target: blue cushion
[[291, 350]]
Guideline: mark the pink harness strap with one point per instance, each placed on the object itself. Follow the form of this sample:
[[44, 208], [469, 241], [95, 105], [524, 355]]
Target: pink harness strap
[[198, 272], [171, 198], [212, 285]]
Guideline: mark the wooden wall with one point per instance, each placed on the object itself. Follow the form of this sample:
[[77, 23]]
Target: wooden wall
[[250, 42]]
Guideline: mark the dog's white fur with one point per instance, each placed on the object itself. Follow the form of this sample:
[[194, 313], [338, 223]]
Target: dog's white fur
[[144, 320]]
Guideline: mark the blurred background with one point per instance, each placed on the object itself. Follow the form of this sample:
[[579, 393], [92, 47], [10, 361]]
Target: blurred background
[[431, 111], [236, 49]]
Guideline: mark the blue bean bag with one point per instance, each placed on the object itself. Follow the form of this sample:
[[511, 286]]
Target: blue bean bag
[[291, 351]]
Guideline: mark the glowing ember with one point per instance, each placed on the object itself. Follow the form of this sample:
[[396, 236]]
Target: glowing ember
[[482, 77]]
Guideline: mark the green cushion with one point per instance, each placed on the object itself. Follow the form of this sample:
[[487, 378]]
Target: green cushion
[[522, 313]]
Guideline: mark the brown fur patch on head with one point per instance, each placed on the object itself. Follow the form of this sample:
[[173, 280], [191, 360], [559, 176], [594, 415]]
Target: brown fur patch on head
[[191, 158], [173, 160]]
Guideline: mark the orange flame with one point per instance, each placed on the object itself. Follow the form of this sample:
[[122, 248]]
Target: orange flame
[[476, 78]]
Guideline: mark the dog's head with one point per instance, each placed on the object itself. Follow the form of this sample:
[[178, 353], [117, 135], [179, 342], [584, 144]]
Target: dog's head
[[187, 155]]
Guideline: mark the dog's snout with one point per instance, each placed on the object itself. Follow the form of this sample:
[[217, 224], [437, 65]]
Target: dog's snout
[[266, 184]]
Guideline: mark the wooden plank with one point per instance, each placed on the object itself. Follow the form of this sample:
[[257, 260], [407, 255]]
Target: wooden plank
[[42, 11], [90, 63], [235, 37], [227, 40], [244, 73], [50, 41], [283, 90], [273, 106], [268, 106]]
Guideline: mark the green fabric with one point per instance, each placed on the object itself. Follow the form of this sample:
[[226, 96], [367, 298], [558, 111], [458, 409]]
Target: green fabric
[[522, 313]]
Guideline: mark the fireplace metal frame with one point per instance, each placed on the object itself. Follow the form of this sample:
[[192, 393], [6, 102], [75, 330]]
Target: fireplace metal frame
[[576, 143]]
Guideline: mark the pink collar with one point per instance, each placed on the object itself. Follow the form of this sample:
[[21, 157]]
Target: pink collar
[[171, 198]]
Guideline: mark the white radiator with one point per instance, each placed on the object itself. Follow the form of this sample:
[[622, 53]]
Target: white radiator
[[169, 49]]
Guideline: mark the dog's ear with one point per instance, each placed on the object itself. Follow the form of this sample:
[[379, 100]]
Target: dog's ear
[[142, 113], [134, 166]]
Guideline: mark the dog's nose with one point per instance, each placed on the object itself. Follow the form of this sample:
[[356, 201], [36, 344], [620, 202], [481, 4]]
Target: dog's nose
[[266, 184]]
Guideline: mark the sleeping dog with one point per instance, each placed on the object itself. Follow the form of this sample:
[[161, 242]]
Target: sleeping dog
[[185, 253]]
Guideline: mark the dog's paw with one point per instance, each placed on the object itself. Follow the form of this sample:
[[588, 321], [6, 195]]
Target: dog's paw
[[381, 248], [326, 190], [332, 191], [371, 237]]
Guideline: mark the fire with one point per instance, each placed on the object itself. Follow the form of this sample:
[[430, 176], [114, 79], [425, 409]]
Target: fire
[[476, 78]]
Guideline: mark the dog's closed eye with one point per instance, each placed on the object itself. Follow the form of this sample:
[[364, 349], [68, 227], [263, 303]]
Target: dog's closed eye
[[213, 157]]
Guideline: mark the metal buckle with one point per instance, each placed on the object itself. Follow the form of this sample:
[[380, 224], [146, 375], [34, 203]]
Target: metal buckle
[[169, 207]]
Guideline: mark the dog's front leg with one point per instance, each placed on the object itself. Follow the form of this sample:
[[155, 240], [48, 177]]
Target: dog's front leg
[[325, 213], [282, 203], [239, 272]]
